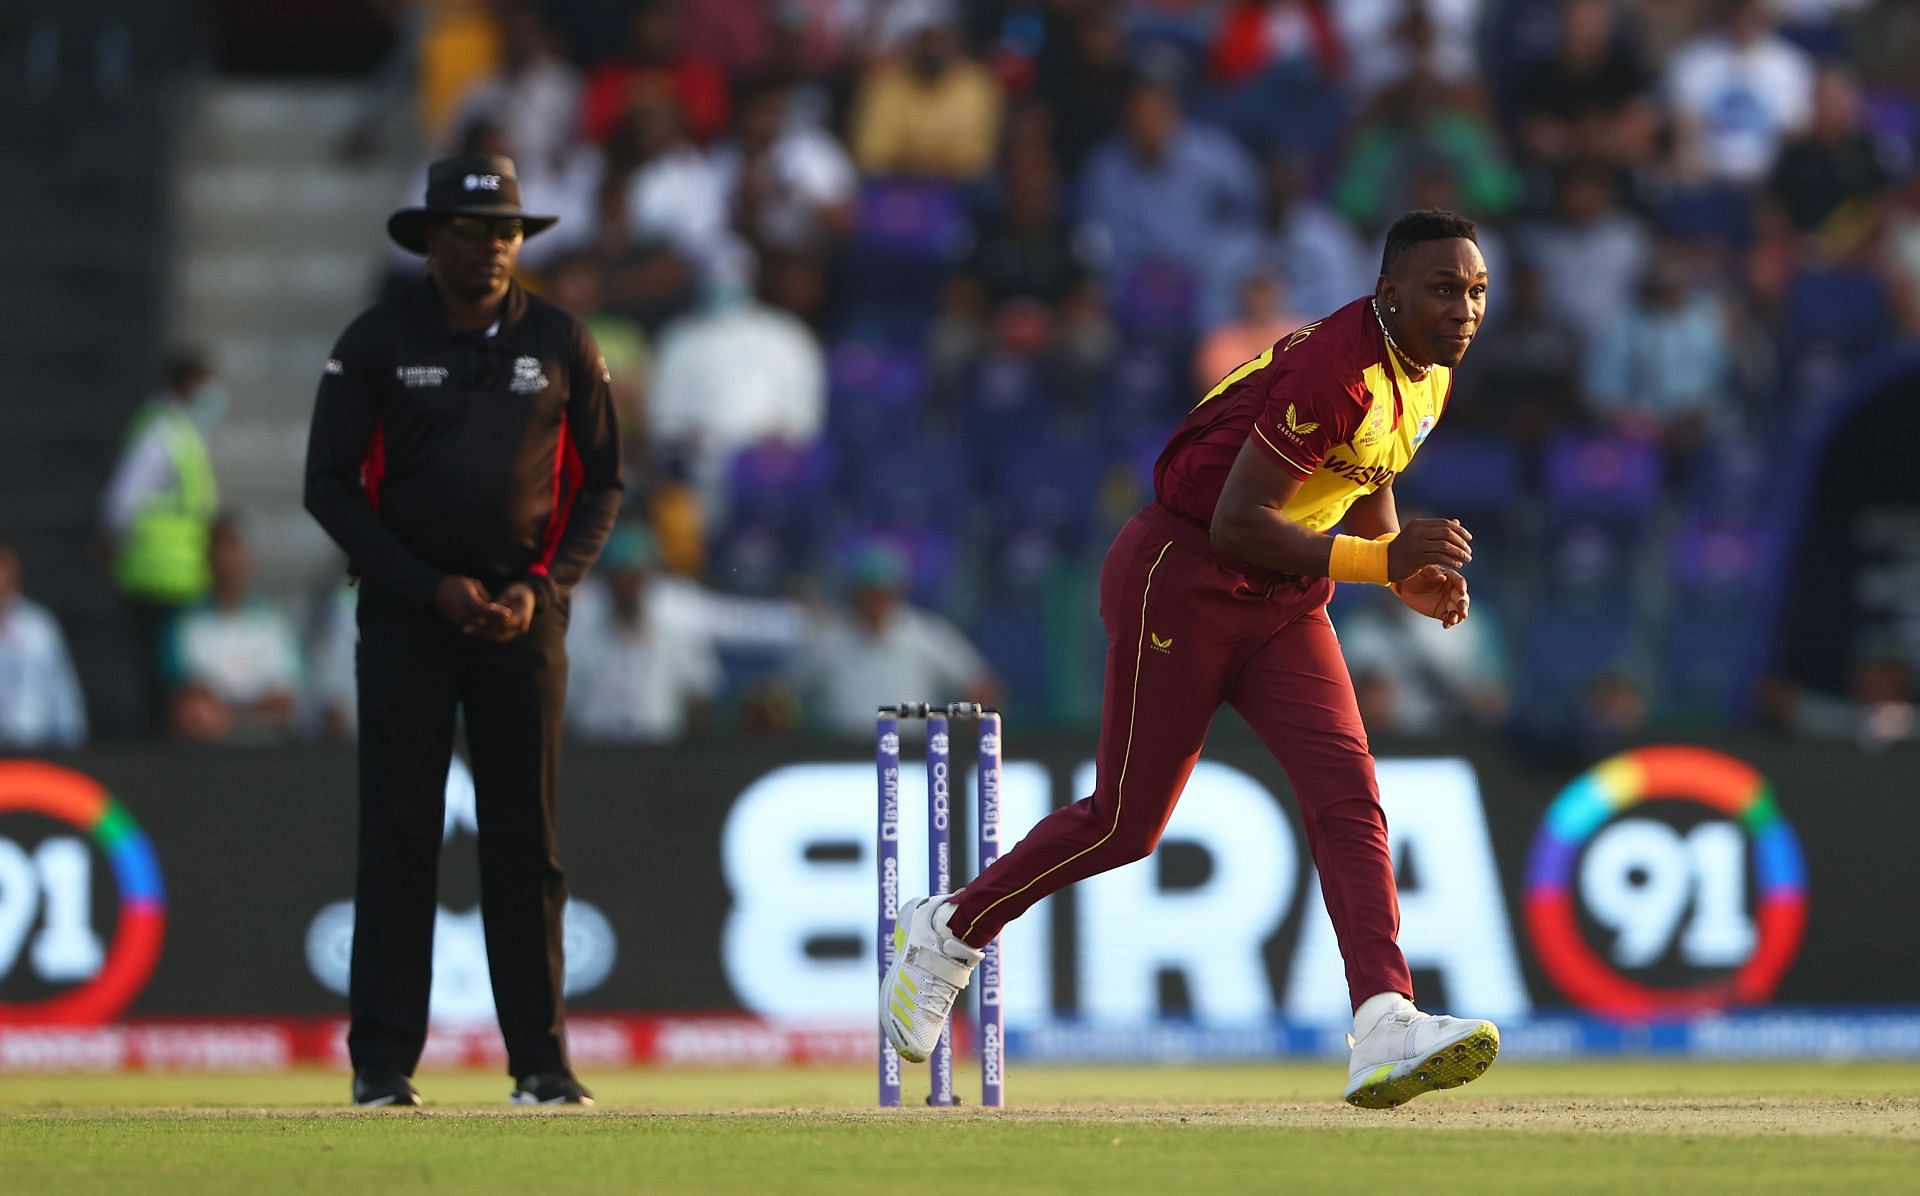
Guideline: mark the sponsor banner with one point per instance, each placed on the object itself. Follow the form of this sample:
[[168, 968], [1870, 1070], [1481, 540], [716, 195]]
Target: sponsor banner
[[1722, 879], [610, 1042], [595, 1041], [1890, 1033]]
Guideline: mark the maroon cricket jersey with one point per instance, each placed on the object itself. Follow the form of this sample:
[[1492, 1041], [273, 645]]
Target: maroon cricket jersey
[[1328, 403]]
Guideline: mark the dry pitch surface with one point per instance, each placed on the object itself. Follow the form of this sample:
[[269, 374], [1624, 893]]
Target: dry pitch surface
[[1604, 1127]]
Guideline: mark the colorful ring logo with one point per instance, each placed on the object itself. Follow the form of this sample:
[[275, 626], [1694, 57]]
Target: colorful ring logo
[[30, 787], [1664, 774]]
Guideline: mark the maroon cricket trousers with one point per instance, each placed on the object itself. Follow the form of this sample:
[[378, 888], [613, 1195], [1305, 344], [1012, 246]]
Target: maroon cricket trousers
[[1187, 629]]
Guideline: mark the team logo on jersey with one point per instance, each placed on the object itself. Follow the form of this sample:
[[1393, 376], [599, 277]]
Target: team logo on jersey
[[1298, 335], [1425, 426], [1297, 428], [1374, 427], [527, 376]]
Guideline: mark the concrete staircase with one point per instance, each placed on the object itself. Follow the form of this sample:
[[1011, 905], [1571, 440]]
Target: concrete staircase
[[280, 244]]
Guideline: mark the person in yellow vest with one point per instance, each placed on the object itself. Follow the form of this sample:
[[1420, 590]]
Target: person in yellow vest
[[158, 510]]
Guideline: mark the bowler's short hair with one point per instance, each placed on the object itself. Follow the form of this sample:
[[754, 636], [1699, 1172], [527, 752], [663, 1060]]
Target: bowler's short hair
[[1428, 224]]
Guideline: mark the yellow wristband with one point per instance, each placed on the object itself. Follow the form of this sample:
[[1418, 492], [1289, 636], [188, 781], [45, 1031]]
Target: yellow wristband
[[1387, 538], [1354, 559]]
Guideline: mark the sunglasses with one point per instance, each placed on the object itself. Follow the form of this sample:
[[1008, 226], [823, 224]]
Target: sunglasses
[[480, 228]]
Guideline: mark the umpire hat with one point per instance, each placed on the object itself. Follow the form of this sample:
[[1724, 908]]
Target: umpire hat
[[465, 185]]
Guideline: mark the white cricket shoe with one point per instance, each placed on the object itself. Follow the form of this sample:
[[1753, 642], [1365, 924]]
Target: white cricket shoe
[[929, 969], [1409, 1052]]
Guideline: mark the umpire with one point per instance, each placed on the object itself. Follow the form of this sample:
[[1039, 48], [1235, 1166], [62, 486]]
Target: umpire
[[464, 454]]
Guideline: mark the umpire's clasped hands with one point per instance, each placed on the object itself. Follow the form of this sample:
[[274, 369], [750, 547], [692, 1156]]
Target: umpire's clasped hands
[[465, 603]]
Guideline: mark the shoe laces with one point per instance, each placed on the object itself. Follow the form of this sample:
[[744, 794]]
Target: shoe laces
[[935, 987]]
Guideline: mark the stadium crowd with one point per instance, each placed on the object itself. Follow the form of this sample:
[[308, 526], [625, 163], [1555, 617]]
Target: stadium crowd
[[902, 297]]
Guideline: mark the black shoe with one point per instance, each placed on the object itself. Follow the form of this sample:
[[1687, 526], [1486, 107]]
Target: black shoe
[[549, 1088], [373, 1089]]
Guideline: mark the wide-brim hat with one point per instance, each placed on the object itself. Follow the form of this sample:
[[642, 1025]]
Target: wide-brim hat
[[465, 185]]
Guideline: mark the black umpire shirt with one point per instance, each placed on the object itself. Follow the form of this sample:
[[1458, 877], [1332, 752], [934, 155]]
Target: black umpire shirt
[[493, 455]]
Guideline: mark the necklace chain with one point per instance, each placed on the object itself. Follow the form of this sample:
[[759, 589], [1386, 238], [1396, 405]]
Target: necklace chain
[[1414, 368]]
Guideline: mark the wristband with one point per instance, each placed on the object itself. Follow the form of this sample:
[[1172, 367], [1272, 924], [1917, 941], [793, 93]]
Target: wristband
[[1388, 539], [1354, 559]]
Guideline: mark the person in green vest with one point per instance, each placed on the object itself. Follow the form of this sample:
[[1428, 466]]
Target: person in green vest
[[159, 508]]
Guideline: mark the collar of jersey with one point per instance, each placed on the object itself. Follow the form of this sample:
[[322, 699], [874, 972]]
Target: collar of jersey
[[433, 318]]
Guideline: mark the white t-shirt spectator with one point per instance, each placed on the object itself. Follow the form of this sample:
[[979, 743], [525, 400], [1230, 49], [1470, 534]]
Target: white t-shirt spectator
[[677, 198], [537, 109], [1444, 678], [843, 673], [634, 684], [1591, 269], [810, 172], [737, 374], [241, 656], [1743, 102], [1378, 56], [40, 703]]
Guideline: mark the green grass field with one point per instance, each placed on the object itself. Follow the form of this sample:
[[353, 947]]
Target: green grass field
[[1604, 1127]]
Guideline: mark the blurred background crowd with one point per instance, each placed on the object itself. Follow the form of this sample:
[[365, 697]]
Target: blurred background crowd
[[901, 299]]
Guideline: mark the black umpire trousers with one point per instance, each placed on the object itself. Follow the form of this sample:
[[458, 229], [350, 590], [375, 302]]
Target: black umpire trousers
[[415, 673]]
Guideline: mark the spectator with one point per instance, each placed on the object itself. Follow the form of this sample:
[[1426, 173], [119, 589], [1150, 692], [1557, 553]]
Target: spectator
[[638, 675], [1878, 710], [880, 649], [931, 110], [741, 37], [1738, 92], [577, 282], [1281, 64], [1662, 363], [40, 702], [1265, 316], [1590, 252], [1431, 679], [234, 662], [1023, 246], [740, 372], [1392, 40], [789, 185], [1835, 167], [1083, 77], [1528, 378], [1166, 191], [333, 705], [657, 190], [656, 64], [1421, 119], [1592, 100], [534, 97], [1302, 244], [1256, 37], [159, 507]]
